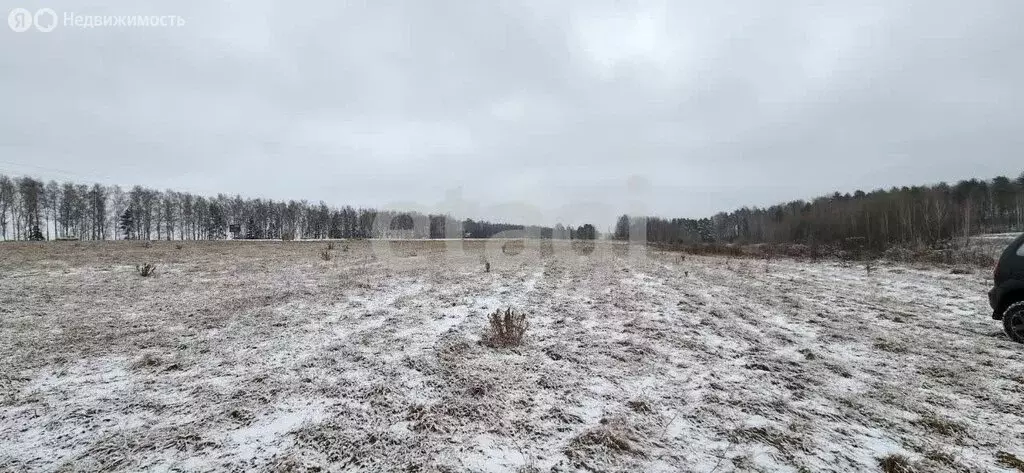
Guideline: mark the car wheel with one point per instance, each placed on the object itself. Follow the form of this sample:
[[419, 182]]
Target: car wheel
[[1013, 321]]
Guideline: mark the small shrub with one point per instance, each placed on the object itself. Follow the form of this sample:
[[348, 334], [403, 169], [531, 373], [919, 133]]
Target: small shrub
[[326, 255], [507, 328], [146, 270]]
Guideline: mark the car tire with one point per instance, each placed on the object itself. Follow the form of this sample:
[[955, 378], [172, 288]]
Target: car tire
[[1013, 321]]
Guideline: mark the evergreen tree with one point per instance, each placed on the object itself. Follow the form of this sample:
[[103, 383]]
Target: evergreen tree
[[251, 233], [559, 232], [215, 223], [586, 232], [622, 228], [127, 224], [35, 234]]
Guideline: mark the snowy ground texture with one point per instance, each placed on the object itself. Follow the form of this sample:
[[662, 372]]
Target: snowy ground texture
[[262, 356]]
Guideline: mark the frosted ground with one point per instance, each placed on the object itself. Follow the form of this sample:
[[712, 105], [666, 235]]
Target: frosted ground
[[240, 355]]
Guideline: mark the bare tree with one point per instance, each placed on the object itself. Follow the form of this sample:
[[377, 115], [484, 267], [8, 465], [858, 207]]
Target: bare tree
[[6, 202]]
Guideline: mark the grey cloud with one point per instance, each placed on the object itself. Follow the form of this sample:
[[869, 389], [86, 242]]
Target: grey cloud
[[551, 106]]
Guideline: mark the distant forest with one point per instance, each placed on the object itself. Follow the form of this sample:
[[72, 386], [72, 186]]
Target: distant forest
[[33, 210], [907, 216], [921, 215]]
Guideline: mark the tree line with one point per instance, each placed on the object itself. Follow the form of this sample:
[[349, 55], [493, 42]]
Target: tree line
[[33, 210], [906, 216]]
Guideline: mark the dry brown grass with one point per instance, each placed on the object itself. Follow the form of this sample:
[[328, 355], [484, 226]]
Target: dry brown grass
[[261, 356]]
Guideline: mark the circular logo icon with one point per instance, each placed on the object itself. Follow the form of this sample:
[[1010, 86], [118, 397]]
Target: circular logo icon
[[45, 20], [20, 20]]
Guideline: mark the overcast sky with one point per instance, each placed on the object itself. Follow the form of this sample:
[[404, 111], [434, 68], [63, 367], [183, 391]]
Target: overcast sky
[[542, 110]]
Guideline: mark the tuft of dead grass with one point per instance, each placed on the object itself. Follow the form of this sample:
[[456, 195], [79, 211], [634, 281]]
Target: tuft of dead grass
[[895, 463], [147, 360], [612, 437], [941, 426], [786, 442], [640, 405], [961, 270], [890, 346], [1010, 460], [941, 458]]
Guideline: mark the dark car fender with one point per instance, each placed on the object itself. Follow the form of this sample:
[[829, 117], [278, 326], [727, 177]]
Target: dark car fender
[[1007, 293]]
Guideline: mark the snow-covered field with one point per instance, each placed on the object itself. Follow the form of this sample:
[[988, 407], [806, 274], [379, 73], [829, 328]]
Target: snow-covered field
[[263, 356]]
